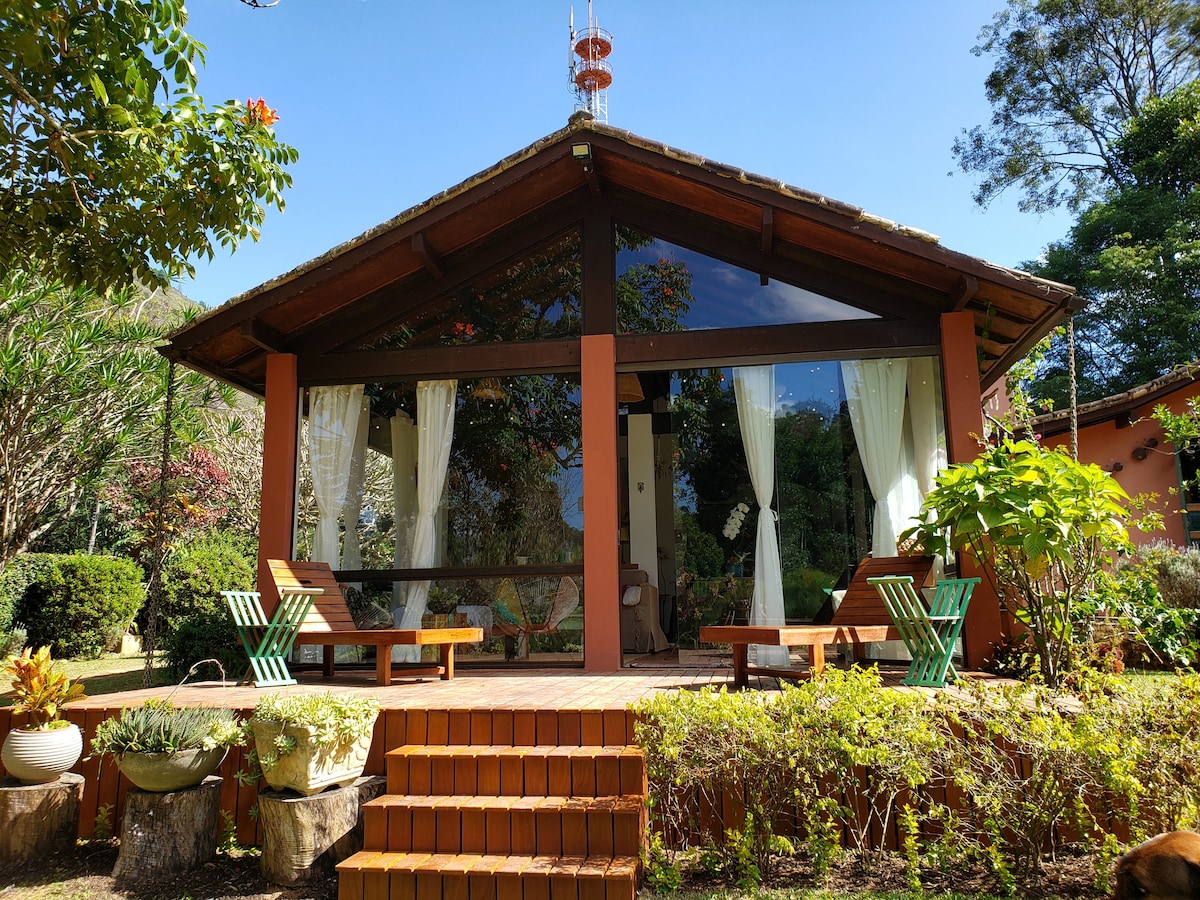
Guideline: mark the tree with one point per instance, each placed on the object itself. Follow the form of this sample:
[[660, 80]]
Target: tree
[[81, 387], [1135, 256], [114, 170], [1067, 75]]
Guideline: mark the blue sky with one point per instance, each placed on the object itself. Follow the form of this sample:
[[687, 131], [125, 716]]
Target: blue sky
[[391, 101]]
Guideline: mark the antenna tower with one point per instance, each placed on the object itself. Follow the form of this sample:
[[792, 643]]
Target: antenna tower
[[590, 72]]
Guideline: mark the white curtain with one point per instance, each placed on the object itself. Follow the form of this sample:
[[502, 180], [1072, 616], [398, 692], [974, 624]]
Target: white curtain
[[754, 387], [404, 496], [333, 417], [928, 425], [351, 550], [875, 390], [435, 430]]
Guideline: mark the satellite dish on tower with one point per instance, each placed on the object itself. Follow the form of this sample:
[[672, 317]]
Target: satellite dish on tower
[[590, 72]]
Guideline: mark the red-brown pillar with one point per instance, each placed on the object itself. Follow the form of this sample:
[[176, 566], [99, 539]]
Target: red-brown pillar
[[277, 510], [601, 550], [964, 424]]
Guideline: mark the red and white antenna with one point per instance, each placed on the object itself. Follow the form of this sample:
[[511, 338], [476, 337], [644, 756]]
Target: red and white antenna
[[590, 72]]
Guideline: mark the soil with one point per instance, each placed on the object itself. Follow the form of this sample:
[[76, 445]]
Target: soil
[[85, 875]]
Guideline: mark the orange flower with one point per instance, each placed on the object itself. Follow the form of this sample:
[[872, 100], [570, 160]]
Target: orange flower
[[258, 113]]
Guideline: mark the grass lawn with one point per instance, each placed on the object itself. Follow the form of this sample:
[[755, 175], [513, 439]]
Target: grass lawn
[[109, 674]]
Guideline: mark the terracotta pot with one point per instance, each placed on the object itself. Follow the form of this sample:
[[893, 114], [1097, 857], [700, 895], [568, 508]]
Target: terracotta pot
[[170, 771], [39, 757], [310, 767]]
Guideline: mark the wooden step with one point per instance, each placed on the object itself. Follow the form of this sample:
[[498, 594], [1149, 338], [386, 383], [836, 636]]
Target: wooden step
[[530, 825], [504, 770], [525, 727], [370, 875]]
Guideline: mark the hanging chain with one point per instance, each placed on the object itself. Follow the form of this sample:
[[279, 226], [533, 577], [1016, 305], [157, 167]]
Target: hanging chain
[[1074, 387]]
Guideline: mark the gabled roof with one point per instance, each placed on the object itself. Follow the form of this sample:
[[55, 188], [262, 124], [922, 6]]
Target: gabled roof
[[798, 236]]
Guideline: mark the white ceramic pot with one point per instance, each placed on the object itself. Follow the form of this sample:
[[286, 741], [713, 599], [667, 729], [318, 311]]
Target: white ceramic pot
[[310, 767], [39, 757], [174, 771]]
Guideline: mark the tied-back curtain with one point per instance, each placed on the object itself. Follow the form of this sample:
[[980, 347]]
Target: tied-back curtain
[[404, 496], [351, 549], [875, 391], [754, 388], [333, 418], [435, 434]]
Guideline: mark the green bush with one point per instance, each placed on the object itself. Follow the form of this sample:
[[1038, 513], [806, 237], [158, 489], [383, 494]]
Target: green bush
[[205, 635], [1176, 572], [21, 571], [81, 605], [1157, 634], [196, 571], [804, 592]]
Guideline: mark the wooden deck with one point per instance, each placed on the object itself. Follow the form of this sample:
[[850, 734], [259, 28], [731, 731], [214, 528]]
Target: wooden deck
[[544, 758]]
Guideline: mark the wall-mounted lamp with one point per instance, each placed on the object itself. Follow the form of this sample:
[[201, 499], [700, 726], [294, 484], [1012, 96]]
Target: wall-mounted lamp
[[581, 152], [1140, 453]]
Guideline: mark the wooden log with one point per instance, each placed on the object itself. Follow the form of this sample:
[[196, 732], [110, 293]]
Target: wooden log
[[38, 819], [305, 837], [163, 834]]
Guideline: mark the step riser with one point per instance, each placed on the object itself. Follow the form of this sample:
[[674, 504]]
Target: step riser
[[523, 828], [426, 877], [538, 771]]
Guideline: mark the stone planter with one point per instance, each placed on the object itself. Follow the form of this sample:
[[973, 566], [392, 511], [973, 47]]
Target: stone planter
[[39, 757], [161, 772], [310, 767]]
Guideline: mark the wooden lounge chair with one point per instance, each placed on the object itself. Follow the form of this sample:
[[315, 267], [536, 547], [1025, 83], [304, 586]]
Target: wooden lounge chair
[[860, 618], [929, 633], [328, 624]]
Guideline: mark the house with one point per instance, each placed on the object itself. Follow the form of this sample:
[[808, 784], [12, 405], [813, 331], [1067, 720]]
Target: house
[[1118, 434], [533, 358]]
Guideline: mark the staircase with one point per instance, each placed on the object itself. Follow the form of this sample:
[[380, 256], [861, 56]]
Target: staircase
[[503, 822]]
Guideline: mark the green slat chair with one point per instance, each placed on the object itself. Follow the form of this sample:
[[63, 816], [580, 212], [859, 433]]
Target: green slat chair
[[269, 641], [929, 634]]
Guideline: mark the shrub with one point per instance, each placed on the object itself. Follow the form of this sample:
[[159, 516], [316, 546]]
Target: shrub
[[1155, 632], [1176, 572], [197, 570], [804, 592], [206, 635], [81, 605], [1042, 522], [22, 571]]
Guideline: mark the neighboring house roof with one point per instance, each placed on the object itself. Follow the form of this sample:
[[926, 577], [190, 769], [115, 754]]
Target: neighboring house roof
[[1118, 407], [763, 224]]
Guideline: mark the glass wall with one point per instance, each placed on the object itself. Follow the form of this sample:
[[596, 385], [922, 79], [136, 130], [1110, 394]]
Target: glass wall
[[479, 480], [844, 450]]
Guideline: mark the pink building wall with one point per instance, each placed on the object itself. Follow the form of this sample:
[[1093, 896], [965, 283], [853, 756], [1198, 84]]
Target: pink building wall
[[1112, 448]]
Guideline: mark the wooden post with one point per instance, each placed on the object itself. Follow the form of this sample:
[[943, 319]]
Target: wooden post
[[163, 834], [279, 470], [38, 819], [305, 837], [964, 425]]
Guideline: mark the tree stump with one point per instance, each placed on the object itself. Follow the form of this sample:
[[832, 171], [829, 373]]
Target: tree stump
[[163, 834], [305, 837], [38, 819]]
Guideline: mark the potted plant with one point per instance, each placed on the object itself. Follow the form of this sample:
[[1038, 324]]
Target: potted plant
[[160, 747], [49, 745], [308, 742]]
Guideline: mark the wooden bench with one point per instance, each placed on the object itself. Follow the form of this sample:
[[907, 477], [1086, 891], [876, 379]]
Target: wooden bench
[[859, 619], [328, 624]]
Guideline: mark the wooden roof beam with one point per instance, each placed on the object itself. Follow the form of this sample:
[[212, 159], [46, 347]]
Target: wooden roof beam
[[263, 335], [427, 255], [768, 240], [964, 291]]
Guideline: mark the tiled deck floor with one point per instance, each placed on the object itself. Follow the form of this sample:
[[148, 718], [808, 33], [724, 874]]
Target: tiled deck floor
[[475, 688]]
